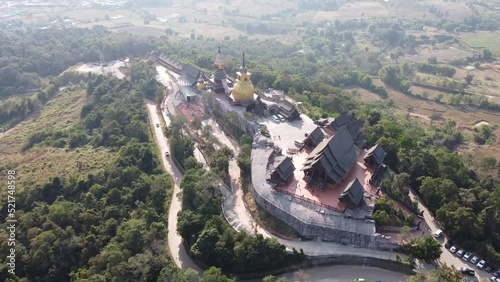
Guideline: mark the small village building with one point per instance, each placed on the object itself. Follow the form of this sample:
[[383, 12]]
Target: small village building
[[283, 171], [288, 110], [314, 138], [352, 194], [375, 156]]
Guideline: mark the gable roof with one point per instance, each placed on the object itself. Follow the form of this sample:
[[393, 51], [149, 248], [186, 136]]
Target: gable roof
[[340, 121], [353, 126], [316, 136], [336, 155], [354, 192], [377, 153], [285, 169], [190, 73]]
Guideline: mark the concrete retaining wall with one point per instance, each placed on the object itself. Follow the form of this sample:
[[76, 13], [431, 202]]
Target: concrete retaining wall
[[316, 232], [332, 260]]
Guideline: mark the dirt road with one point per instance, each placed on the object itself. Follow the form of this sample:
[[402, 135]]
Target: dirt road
[[179, 254]]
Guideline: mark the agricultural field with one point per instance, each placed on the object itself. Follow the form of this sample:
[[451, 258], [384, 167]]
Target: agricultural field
[[41, 163], [483, 39], [364, 95], [420, 9], [359, 10], [423, 109], [442, 54]]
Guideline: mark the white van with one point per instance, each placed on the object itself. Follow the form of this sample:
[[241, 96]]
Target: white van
[[438, 233]]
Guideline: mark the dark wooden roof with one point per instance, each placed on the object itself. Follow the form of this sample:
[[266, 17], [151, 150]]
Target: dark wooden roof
[[190, 73], [337, 155], [287, 109], [316, 136], [285, 169], [353, 126], [340, 121], [354, 192], [377, 153]]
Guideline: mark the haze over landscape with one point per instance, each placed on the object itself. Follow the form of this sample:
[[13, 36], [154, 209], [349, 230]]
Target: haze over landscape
[[258, 140]]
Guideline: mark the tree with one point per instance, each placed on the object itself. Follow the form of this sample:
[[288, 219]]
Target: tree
[[271, 278], [424, 248], [214, 274], [445, 274], [486, 54], [468, 78], [381, 218], [405, 234]]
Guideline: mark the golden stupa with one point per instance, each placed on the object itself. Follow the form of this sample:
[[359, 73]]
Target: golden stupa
[[243, 91]]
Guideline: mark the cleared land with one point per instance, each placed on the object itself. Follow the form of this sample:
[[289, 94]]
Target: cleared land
[[483, 39], [443, 54], [38, 165], [359, 10], [424, 108]]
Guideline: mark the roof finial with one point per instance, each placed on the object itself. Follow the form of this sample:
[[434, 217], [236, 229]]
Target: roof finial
[[243, 65]]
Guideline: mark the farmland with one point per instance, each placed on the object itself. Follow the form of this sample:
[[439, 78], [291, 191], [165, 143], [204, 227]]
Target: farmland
[[485, 39]]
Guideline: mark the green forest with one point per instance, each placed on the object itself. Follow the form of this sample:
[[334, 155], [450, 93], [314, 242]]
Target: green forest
[[104, 226]]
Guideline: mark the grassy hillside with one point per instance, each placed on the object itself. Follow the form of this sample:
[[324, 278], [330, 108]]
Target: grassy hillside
[[41, 163]]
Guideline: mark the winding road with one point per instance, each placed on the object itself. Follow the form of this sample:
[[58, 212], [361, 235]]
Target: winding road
[[177, 249]]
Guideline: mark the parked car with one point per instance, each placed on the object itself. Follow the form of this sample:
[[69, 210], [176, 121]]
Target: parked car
[[467, 271], [453, 249], [157, 125], [496, 273], [275, 118], [495, 279], [474, 259], [438, 233], [467, 256], [481, 264], [281, 117], [448, 244], [299, 143], [488, 268], [261, 124], [167, 154], [460, 252]]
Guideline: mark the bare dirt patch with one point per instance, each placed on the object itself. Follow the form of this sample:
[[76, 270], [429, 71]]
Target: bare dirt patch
[[364, 95], [443, 54], [142, 30]]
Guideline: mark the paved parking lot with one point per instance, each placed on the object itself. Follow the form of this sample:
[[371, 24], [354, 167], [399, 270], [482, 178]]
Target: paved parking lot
[[285, 133]]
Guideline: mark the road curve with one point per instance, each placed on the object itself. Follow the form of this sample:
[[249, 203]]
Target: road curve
[[177, 250]]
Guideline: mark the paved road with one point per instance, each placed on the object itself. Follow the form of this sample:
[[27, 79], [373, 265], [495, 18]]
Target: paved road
[[179, 254], [346, 273], [447, 257]]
